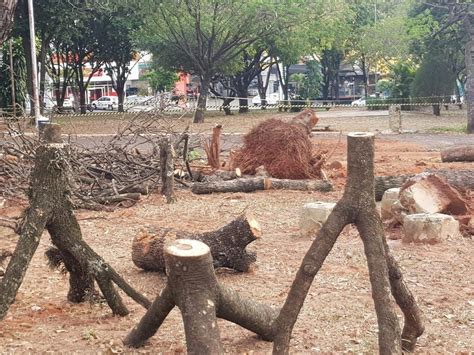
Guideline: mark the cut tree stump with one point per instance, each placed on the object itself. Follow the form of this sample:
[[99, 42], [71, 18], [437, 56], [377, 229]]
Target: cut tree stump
[[227, 245], [260, 183], [213, 147], [193, 287], [462, 179], [167, 170], [357, 206], [51, 208], [458, 153]]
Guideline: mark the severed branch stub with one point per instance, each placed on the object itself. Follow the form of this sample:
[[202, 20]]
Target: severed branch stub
[[357, 206], [193, 287], [51, 208], [167, 170], [227, 244]]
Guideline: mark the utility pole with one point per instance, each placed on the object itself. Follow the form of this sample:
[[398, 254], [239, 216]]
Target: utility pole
[[34, 67]]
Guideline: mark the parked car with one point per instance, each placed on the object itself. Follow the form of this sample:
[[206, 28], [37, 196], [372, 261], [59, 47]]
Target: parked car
[[272, 99], [359, 102], [105, 103]]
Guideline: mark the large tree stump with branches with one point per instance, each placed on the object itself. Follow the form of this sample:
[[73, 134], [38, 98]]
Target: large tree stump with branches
[[51, 209], [193, 287], [227, 244], [357, 206]]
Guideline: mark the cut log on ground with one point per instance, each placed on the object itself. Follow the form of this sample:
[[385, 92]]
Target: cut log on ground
[[459, 153], [227, 245], [193, 287], [260, 183], [51, 208], [462, 179]]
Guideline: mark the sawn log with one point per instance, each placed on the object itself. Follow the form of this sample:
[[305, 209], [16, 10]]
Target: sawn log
[[460, 179], [227, 245], [458, 153], [260, 183]]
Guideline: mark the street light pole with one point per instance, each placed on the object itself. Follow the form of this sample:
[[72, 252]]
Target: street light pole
[[34, 68]]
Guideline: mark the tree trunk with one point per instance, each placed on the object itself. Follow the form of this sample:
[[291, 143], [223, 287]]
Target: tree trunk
[[29, 74], [356, 206], [167, 170], [243, 104], [460, 179], [436, 110], [51, 208], [469, 58], [212, 147], [121, 97], [226, 106], [42, 62], [260, 183], [227, 245], [202, 100], [6, 18], [82, 99], [193, 287], [458, 153]]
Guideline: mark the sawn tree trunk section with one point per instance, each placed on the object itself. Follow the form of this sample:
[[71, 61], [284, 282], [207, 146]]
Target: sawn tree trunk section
[[460, 179], [227, 245], [458, 153], [260, 183]]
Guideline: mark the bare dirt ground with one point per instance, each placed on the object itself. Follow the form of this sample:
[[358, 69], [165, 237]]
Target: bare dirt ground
[[338, 315]]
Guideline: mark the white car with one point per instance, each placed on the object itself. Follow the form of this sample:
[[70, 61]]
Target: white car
[[272, 99], [105, 103], [359, 102]]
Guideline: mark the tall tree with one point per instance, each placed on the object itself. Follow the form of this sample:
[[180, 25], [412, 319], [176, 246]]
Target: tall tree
[[121, 22], [205, 37]]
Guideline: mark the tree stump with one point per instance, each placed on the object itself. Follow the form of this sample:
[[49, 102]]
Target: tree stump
[[167, 170], [193, 287], [357, 206], [227, 245], [51, 208]]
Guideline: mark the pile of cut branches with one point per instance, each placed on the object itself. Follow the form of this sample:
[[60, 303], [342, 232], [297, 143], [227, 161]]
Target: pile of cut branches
[[116, 170]]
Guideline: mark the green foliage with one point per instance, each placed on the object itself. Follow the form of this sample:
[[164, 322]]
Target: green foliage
[[402, 76], [434, 77], [161, 79], [19, 64], [311, 84]]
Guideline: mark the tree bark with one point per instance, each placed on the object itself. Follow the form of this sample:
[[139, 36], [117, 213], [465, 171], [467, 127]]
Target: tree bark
[[227, 245], [436, 110], [458, 153], [193, 287], [51, 208], [202, 100], [213, 147], [460, 179], [167, 170], [6, 18], [260, 183]]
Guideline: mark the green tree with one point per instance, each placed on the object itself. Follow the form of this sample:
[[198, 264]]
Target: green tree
[[160, 79], [205, 37], [19, 65], [434, 78]]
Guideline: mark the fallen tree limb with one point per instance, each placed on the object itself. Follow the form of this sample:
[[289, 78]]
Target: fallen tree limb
[[227, 245], [458, 153], [462, 179], [260, 183]]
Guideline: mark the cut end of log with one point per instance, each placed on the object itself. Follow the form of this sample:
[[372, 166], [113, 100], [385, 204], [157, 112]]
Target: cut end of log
[[360, 134], [52, 133], [254, 227], [187, 248], [238, 172]]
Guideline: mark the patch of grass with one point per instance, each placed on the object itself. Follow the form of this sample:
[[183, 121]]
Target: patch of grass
[[457, 129]]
